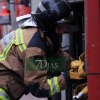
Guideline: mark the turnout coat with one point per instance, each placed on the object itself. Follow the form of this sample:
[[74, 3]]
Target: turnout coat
[[17, 49]]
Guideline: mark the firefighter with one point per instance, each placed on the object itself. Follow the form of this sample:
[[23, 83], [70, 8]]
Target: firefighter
[[19, 49]]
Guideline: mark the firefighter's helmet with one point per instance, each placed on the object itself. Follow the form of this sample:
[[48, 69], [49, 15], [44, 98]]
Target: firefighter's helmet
[[49, 12]]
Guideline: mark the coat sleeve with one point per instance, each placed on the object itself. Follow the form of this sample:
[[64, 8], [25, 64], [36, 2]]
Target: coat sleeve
[[62, 54], [36, 80]]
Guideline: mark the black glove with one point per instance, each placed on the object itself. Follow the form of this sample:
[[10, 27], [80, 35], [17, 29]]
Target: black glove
[[73, 82], [51, 74]]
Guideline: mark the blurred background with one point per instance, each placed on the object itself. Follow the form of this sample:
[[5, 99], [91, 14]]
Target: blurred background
[[10, 9]]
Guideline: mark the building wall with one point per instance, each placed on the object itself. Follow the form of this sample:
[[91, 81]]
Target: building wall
[[34, 4]]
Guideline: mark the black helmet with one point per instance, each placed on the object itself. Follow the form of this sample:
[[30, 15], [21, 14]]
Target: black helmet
[[49, 12], [67, 20]]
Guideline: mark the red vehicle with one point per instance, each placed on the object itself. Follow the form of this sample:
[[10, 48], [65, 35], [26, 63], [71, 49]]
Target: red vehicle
[[92, 29]]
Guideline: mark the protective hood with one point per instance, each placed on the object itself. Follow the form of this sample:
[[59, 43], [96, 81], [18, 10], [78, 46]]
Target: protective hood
[[25, 21]]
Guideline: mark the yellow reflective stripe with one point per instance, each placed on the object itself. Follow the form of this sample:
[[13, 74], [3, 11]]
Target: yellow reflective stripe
[[3, 95], [56, 84], [22, 47], [5, 51], [19, 40], [2, 98], [18, 37], [21, 35], [51, 89]]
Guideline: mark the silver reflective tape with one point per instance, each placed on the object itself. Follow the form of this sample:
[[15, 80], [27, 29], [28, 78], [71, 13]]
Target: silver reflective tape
[[53, 85], [5, 96], [19, 38], [20, 41], [41, 7], [22, 47]]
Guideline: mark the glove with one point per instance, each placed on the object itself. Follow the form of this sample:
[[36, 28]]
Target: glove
[[77, 68], [81, 92], [76, 75], [73, 82]]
